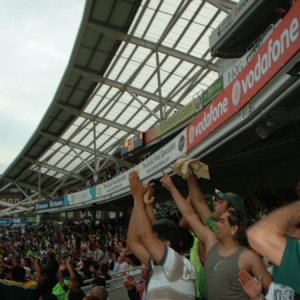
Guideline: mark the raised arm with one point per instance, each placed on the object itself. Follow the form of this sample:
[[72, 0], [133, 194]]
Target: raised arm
[[268, 236], [149, 203], [197, 198], [134, 242], [187, 211], [73, 280], [143, 226]]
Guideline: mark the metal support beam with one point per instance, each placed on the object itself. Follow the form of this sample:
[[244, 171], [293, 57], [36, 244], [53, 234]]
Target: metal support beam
[[23, 184], [86, 149], [93, 76], [96, 167], [152, 46], [225, 5], [64, 179], [5, 187], [24, 202], [53, 168], [83, 160], [40, 182], [92, 117], [5, 203], [144, 106], [23, 192], [162, 107]]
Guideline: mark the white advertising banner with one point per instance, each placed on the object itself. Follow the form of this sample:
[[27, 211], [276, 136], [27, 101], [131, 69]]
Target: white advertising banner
[[113, 187], [147, 168], [228, 22], [231, 73], [163, 157], [78, 197]]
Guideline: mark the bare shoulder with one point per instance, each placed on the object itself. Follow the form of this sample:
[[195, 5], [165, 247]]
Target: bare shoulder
[[248, 254], [248, 258]]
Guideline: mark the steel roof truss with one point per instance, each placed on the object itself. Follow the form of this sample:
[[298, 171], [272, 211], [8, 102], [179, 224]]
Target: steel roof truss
[[152, 46], [54, 168]]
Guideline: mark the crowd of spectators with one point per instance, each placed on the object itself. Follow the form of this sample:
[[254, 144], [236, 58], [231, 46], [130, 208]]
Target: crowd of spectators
[[55, 258], [52, 260]]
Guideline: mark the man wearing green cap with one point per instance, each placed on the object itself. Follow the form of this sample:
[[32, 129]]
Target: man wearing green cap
[[225, 254], [223, 202]]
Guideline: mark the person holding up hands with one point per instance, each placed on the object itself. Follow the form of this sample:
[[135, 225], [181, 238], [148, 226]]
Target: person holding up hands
[[225, 254], [160, 245]]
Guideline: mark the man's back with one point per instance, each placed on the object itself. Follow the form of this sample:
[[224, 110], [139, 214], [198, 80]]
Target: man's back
[[173, 278], [10, 290]]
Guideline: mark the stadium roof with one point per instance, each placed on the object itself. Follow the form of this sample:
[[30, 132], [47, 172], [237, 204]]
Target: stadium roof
[[133, 63]]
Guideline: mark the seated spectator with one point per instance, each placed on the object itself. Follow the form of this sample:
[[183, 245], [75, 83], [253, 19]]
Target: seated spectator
[[48, 297], [17, 287], [91, 297], [99, 281], [130, 284], [100, 292], [136, 289]]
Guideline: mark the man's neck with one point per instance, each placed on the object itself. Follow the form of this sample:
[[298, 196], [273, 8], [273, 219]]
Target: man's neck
[[228, 246]]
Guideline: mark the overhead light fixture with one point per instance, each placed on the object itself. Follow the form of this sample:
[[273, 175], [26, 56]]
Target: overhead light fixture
[[295, 70], [262, 131]]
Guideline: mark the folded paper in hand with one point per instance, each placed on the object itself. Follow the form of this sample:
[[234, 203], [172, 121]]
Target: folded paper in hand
[[183, 166]]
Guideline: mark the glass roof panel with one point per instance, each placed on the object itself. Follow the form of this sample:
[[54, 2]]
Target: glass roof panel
[[183, 26]]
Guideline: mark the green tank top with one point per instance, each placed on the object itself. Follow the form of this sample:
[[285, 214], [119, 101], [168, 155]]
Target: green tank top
[[222, 275]]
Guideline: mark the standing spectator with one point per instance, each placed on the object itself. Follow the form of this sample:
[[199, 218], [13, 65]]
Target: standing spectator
[[16, 287], [49, 272], [172, 275], [277, 237], [225, 254], [100, 292]]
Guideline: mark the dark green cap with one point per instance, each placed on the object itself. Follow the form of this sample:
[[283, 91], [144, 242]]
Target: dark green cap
[[236, 201], [164, 221]]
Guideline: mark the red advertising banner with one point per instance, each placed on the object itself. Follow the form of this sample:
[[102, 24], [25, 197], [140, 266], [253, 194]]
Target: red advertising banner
[[279, 48]]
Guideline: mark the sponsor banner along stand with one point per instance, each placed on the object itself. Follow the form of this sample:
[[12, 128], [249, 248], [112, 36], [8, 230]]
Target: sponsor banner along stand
[[147, 168], [233, 71], [57, 202], [163, 157], [78, 197], [41, 205], [113, 187], [172, 121], [280, 47]]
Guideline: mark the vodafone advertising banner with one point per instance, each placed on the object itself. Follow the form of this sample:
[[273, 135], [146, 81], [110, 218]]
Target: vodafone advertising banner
[[280, 47]]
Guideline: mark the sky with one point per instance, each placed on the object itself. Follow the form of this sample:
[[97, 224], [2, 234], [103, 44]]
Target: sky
[[36, 40]]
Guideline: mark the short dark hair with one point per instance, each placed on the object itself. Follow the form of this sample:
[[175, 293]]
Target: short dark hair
[[76, 294], [237, 218], [18, 273], [180, 237], [48, 297], [99, 281]]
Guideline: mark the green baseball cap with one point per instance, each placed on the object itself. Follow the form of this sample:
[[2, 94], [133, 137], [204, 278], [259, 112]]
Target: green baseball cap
[[236, 201], [165, 222]]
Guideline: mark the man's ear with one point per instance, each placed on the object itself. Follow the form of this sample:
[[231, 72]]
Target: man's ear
[[167, 243], [234, 230]]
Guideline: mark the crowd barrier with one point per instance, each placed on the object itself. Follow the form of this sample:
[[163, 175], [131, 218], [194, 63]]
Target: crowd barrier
[[115, 287]]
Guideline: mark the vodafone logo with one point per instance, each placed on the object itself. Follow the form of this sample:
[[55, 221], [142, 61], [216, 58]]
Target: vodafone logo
[[191, 134], [236, 93], [277, 50], [209, 117]]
